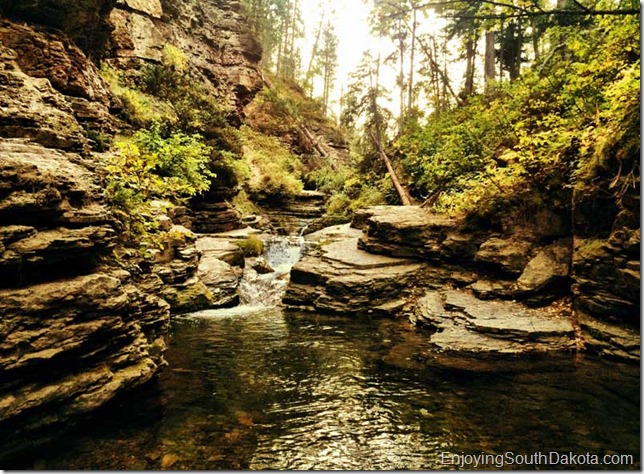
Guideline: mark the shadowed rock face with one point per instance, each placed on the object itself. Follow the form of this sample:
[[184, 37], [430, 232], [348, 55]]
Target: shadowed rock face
[[82, 20], [76, 331]]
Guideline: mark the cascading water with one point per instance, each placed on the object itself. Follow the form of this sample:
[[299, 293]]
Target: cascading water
[[266, 290]]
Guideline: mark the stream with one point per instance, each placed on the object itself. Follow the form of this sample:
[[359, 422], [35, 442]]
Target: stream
[[257, 387]]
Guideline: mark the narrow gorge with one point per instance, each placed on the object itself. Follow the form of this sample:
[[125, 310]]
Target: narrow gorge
[[265, 303]]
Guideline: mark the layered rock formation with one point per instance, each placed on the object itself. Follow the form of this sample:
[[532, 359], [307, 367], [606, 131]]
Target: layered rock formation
[[213, 35], [76, 328], [291, 216], [340, 278], [517, 270]]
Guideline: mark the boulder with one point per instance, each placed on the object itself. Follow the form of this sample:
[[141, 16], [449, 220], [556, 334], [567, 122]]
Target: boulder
[[261, 266], [547, 275], [221, 280], [343, 279], [506, 255]]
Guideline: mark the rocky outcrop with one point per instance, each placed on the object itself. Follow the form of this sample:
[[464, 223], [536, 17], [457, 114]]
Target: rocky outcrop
[[606, 253], [291, 215], [535, 266], [223, 55], [213, 35], [607, 294], [49, 92], [75, 331], [462, 325], [475, 287], [342, 279], [212, 213]]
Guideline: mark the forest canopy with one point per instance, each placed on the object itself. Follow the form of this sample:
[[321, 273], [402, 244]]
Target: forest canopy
[[503, 102]]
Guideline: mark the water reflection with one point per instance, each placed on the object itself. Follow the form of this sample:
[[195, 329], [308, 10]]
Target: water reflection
[[267, 390]]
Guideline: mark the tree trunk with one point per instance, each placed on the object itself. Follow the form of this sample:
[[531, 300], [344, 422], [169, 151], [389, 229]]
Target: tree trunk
[[490, 69], [412, 53], [402, 192], [308, 80], [470, 53], [401, 78]]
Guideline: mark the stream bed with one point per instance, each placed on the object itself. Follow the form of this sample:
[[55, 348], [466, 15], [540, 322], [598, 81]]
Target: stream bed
[[268, 389]]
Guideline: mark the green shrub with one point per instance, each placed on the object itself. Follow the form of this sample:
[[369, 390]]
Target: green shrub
[[251, 246], [139, 109], [147, 167]]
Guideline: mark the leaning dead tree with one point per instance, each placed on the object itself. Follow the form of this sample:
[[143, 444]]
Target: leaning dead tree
[[402, 192]]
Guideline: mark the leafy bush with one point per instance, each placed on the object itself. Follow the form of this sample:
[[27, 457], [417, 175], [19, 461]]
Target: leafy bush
[[251, 246], [148, 167]]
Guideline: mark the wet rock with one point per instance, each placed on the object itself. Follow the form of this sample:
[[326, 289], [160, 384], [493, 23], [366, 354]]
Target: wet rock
[[178, 269], [467, 325], [606, 293], [261, 266], [343, 279], [606, 285], [221, 280]]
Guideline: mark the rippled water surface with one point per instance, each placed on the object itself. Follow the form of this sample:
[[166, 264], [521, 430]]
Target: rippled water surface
[[273, 390]]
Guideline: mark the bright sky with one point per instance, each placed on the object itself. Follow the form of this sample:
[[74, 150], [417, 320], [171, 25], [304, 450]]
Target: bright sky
[[350, 18], [352, 28]]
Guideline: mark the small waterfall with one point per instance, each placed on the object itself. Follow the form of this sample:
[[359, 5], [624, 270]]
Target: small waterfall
[[281, 253]]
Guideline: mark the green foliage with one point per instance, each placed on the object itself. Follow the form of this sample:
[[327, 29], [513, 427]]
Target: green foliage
[[149, 166], [570, 122], [195, 108], [251, 246], [163, 79], [349, 190], [243, 204], [274, 169], [139, 108]]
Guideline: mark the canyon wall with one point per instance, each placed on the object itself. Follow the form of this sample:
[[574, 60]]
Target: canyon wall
[[77, 326]]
